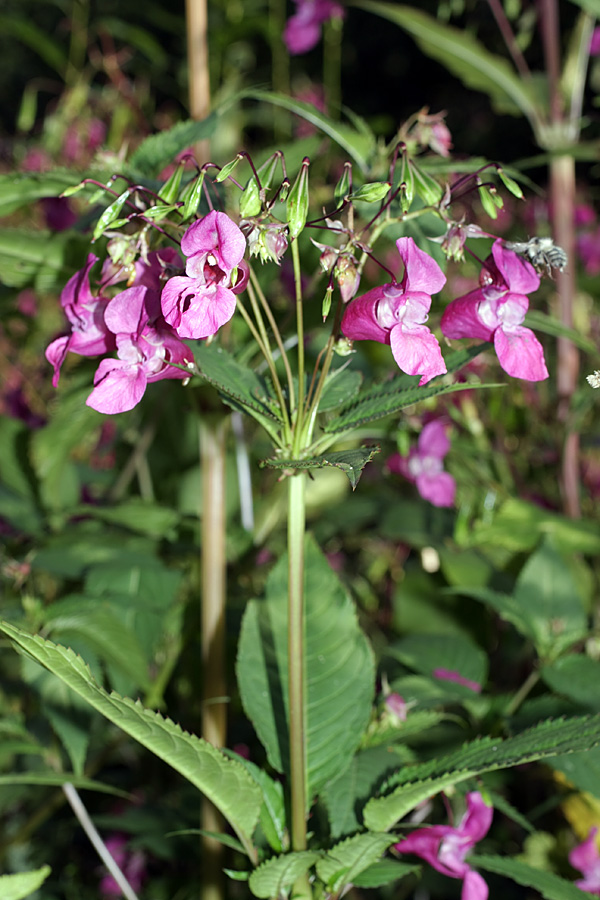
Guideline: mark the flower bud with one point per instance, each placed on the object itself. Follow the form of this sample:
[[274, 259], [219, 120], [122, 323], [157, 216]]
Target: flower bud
[[297, 201], [348, 277]]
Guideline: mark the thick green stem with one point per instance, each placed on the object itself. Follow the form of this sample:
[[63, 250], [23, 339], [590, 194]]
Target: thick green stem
[[296, 523], [213, 561]]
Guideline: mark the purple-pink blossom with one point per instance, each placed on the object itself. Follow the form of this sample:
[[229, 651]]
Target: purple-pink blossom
[[495, 312], [395, 314], [586, 858], [131, 863], [198, 303], [445, 847], [424, 465], [595, 42], [303, 30], [146, 350], [89, 334]]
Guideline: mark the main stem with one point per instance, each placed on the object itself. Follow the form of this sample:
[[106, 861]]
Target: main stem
[[213, 560], [296, 525]]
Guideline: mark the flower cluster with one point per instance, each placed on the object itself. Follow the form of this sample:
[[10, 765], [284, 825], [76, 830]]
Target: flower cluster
[[145, 322]]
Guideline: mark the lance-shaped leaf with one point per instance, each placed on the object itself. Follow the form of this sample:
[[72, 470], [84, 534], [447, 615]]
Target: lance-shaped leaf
[[547, 884], [464, 56], [399, 392], [549, 738], [225, 782], [274, 877], [384, 872], [351, 462], [158, 150], [340, 673], [346, 860], [23, 188], [16, 887], [243, 389], [358, 142]]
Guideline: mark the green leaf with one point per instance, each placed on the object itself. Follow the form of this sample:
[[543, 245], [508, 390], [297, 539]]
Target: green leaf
[[384, 872], [547, 884], [137, 515], [351, 462], [272, 812], [463, 55], [540, 321], [426, 653], [225, 782], [42, 258], [24, 29], [23, 188], [15, 887], [346, 795], [576, 677], [349, 858], [359, 144], [57, 779], [158, 150], [340, 674], [275, 876], [242, 387], [103, 631], [549, 738], [581, 769], [340, 386], [590, 6], [519, 525], [396, 394]]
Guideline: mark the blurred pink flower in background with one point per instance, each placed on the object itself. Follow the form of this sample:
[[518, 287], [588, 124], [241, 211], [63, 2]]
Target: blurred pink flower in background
[[457, 678], [595, 43], [132, 863], [303, 30], [424, 465], [586, 858]]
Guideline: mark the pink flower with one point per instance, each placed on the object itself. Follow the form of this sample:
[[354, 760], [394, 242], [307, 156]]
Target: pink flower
[[199, 303], [586, 858], [424, 465], [457, 678], [495, 312], [395, 314], [588, 247], [303, 30], [146, 349], [396, 706], [445, 847], [89, 335], [595, 43]]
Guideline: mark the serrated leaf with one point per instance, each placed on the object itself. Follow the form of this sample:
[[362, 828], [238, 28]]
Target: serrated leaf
[[351, 462], [340, 674], [158, 150], [225, 782], [346, 860], [274, 877], [417, 783], [581, 769], [16, 887], [548, 885], [346, 795], [359, 144], [272, 813], [463, 55], [340, 386], [242, 387], [384, 872]]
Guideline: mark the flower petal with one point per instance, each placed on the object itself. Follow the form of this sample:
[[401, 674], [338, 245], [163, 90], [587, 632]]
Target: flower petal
[[119, 386], [77, 289], [439, 489], [433, 440], [461, 320], [360, 320], [216, 234], [474, 887], [421, 272], [519, 275], [127, 312], [477, 820], [55, 354], [520, 353], [194, 309], [417, 352]]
